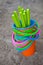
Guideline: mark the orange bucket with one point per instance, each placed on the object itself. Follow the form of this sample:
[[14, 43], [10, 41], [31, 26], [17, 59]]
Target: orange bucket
[[30, 51]]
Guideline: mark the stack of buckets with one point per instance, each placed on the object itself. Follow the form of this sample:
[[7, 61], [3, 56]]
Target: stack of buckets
[[24, 38]]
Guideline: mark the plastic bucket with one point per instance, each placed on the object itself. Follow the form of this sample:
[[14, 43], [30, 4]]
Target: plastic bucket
[[30, 51]]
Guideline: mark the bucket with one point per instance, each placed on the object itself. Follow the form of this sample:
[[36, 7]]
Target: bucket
[[30, 51]]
